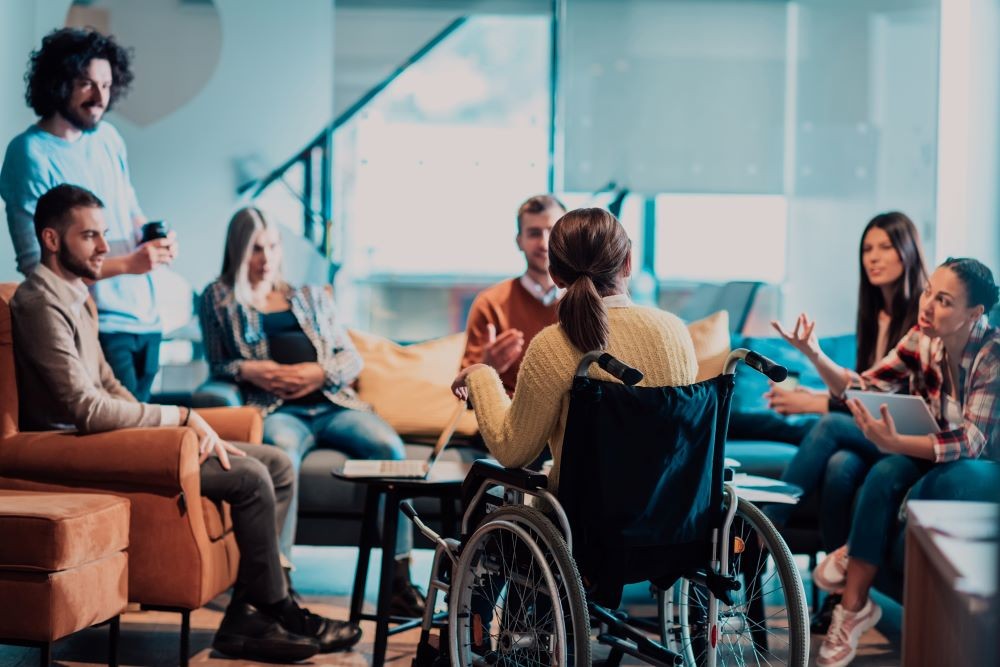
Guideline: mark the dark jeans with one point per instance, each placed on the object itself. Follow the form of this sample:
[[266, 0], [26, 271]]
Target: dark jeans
[[259, 489], [361, 435], [834, 432], [135, 360], [845, 473], [768, 425], [877, 512]]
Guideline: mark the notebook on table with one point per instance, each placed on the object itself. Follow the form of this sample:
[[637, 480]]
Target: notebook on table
[[407, 468]]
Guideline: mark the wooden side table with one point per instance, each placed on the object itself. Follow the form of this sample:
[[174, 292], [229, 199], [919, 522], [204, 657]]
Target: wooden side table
[[949, 596]]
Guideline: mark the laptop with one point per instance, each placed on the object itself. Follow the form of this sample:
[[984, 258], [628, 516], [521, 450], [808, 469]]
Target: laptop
[[911, 414], [407, 468]]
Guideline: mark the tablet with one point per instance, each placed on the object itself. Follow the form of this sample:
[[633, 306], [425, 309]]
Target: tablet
[[911, 414]]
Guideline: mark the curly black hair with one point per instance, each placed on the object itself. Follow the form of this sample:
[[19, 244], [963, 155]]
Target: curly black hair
[[64, 56], [978, 281]]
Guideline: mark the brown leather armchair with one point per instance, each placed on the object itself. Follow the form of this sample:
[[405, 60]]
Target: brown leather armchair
[[182, 552]]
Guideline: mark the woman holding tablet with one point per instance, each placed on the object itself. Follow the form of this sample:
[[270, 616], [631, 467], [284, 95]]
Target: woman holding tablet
[[952, 360]]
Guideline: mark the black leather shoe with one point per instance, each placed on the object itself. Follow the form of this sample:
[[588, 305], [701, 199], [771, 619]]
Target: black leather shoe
[[332, 635], [819, 624], [248, 634], [407, 600]]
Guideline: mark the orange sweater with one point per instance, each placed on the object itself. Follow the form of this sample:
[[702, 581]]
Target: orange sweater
[[506, 305]]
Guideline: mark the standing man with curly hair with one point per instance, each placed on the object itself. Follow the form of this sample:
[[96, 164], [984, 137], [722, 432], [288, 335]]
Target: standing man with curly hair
[[72, 81]]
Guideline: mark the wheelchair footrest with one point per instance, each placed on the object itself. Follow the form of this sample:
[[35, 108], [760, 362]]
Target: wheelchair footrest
[[628, 640]]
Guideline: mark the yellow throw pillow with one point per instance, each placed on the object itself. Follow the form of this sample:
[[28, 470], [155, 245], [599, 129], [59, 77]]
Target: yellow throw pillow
[[410, 386], [711, 343]]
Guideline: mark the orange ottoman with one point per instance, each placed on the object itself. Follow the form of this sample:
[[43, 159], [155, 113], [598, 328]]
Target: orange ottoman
[[63, 565]]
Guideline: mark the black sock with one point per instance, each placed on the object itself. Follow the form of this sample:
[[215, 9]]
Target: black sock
[[401, 576], [280, 610]]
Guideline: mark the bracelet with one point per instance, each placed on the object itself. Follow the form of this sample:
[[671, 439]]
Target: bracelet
[[187, 418]]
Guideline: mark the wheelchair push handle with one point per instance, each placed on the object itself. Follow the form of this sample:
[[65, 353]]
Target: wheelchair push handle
[[623, 372], [407, 508], [762, 364], [776, 372]]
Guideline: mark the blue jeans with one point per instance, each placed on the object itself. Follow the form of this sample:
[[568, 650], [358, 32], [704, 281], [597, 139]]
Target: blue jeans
[[877, 511], [845, 473], [134, 359], [361, 435], [834, 432], [964, 479]]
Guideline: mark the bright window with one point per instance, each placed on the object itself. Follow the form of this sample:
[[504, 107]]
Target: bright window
[[716, 238]]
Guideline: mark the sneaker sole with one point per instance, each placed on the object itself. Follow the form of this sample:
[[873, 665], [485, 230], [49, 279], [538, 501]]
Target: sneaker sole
[[827, 585], [263, 649], [856, 634]]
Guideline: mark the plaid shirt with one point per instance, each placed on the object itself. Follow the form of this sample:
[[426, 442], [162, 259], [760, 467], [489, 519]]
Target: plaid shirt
[[234, 333], [915, 366]]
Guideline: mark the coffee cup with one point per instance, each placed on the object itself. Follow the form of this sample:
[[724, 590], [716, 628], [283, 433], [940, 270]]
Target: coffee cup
[[157, 229]]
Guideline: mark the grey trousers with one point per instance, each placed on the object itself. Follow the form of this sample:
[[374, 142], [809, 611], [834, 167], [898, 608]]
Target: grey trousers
[[259, 488]]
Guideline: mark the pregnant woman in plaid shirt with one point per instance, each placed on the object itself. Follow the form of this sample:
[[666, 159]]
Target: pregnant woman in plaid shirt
[[952, 360]]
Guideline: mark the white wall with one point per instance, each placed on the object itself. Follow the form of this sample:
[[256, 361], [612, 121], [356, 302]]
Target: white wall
[[22, 24], [969, 134], [271, 92]]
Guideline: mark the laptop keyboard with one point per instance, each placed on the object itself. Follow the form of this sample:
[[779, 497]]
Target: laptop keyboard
[[408, 468]]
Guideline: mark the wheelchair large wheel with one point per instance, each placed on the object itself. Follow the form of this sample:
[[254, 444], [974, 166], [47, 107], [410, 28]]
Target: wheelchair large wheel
[[516, 598], [768, 622]]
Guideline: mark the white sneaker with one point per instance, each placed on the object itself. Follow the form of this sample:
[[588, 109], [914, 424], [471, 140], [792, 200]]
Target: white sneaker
[[831, 573], [841, 643]]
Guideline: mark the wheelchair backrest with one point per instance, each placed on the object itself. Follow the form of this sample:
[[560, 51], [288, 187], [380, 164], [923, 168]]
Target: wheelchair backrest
[[641, 477]]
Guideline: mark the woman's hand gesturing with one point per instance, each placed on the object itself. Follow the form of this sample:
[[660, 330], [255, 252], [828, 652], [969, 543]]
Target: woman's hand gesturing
[[802, 337]]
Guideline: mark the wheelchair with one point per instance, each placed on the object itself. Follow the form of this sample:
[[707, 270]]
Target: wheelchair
[[644, 495]]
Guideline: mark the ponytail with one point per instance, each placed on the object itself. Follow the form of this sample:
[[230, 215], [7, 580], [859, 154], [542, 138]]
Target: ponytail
[[583, 315], [588, 249]]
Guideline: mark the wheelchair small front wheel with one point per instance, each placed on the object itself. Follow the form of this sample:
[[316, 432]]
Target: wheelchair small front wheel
[[768, 622], [516, 596]]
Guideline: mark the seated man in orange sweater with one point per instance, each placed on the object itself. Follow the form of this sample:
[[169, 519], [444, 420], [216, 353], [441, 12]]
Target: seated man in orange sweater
[[505, 317]]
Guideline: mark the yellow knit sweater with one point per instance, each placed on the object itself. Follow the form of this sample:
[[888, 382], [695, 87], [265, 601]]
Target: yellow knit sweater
[[516, 430]]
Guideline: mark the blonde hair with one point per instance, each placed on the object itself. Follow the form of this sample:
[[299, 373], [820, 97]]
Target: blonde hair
[[243, 227]]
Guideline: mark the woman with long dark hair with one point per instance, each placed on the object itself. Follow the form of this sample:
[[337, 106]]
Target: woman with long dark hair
[[834, 455], [589, 256], [892, 276]]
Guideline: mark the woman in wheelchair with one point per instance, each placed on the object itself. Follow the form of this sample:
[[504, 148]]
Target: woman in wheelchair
[[589, 256], [952, 360], [513, 563]]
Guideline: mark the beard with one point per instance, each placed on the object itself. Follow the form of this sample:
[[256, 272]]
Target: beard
[[76, 266], [79, 121]]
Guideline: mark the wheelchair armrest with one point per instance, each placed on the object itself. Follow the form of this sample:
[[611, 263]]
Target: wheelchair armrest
[[484, 469]]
